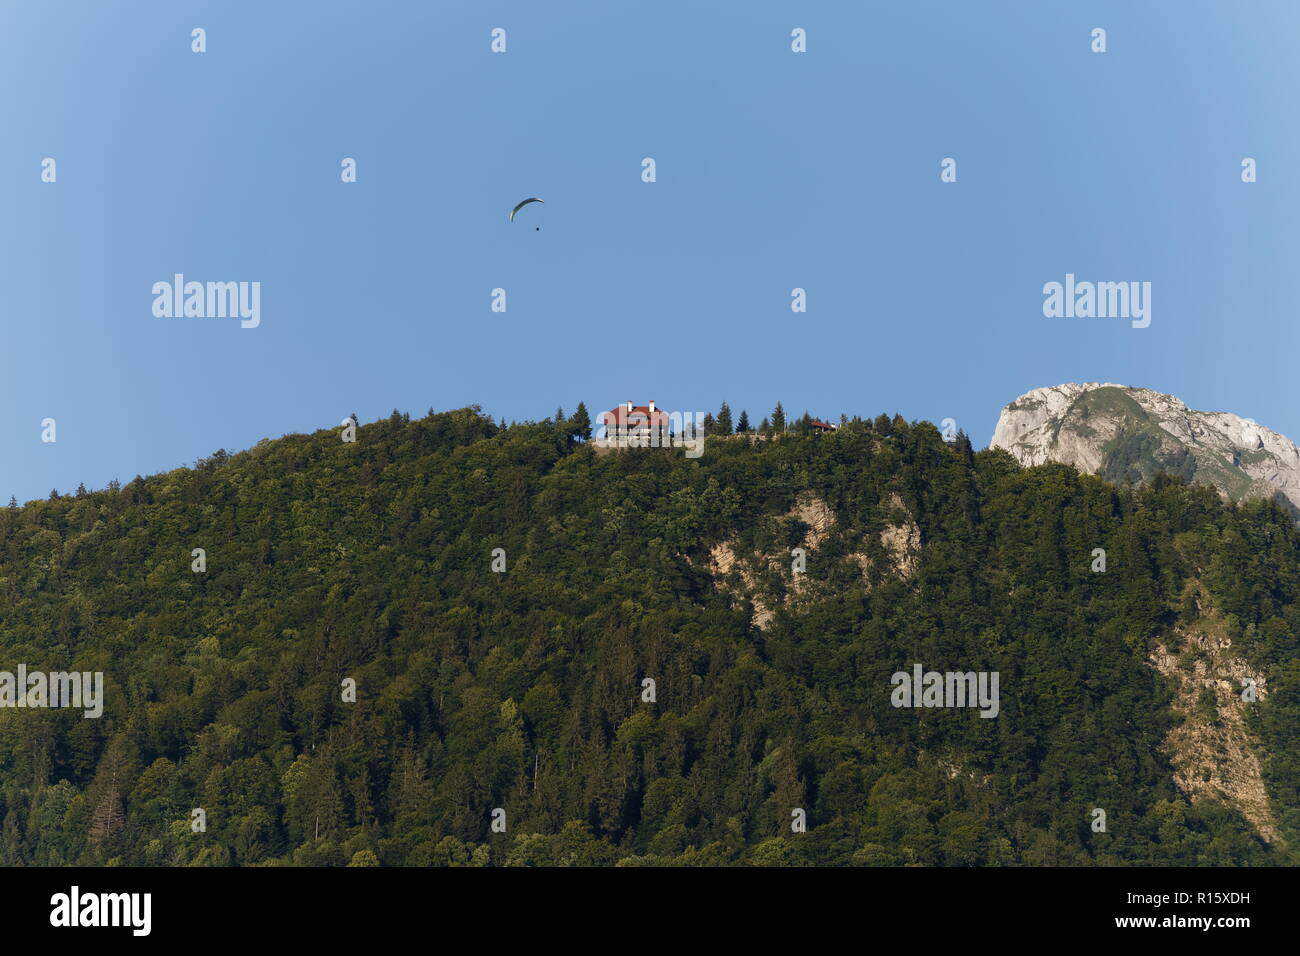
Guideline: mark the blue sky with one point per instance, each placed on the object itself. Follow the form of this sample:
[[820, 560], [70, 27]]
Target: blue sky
[[775, 170]]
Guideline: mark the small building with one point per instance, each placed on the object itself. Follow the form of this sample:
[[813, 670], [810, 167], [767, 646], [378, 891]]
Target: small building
[[635, 426], [820, 426]]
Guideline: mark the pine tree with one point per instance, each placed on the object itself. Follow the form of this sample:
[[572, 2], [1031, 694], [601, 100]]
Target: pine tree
[[765, 428], [580, 423], [742, 425], [778, 419], [964, 448], [363, 810], [109, 814], [789, 789], [724, 419], [409, 795], [709, 424], [108, 791]]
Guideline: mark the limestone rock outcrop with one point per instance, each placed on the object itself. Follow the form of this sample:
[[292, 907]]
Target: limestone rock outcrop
[[1128, 434]]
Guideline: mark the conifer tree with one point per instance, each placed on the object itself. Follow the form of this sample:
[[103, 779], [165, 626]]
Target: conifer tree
[[580, 423], [778, 419], [724, 420]]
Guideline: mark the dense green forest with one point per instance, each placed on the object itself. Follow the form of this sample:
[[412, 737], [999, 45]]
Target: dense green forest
[[523, 690]]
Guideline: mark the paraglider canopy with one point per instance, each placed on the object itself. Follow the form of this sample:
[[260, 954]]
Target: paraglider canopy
[[522, 205]]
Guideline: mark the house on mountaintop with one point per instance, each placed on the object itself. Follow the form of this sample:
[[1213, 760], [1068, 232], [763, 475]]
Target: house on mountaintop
[[633, 426]]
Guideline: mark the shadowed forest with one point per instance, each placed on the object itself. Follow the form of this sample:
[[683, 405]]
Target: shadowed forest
[[524, 690]]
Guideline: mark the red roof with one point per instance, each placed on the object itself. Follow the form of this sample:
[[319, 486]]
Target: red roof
[[639, 415]]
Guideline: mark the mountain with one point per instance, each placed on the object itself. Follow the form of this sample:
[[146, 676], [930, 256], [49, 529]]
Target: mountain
[[1129, 434], [452, 643]]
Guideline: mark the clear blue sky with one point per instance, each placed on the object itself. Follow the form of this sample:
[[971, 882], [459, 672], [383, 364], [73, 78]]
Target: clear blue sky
[[775, 170]]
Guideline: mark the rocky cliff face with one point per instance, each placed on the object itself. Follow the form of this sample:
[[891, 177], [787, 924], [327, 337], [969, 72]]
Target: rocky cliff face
[[768, 581], [1129, 434], [1214, 754]]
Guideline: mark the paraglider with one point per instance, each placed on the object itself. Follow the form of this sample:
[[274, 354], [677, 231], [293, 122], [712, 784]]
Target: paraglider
[[522, 205]]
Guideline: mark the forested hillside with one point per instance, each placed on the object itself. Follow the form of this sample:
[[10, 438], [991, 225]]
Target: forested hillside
[[524, 690]]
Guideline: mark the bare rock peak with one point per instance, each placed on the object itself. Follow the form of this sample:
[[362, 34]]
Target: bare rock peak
[[1129, 434]]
